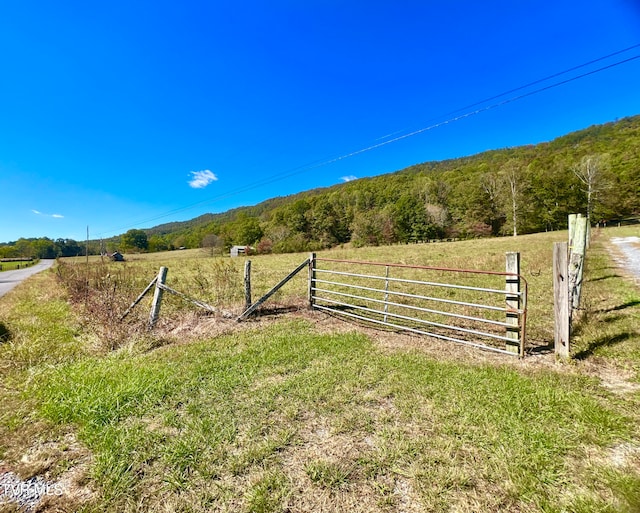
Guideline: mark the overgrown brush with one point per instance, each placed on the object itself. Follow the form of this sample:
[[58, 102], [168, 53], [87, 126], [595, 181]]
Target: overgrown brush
[[218, 282], [103, 292]]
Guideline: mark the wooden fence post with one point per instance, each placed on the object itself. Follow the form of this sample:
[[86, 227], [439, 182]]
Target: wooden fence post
[[572, 226], [576, 262], [275, 289], [157, 297], [561, 299], [247, 284], [514, 345], [312, 278], [139, 298]]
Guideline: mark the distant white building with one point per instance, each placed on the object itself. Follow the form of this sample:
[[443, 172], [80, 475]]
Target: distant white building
[[240, 250]]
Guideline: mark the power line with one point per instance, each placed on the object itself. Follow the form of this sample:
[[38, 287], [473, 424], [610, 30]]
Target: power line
[[549, 77], [478, 111], [307, 167]]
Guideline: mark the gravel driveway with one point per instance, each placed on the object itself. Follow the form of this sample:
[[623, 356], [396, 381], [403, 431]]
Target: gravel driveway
[[9, 279], [629, 248]]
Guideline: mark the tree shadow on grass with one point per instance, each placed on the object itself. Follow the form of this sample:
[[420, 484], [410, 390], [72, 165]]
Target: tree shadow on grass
[[607, 277], [605, 341], [5, 334], [628, 304], [276, 310]]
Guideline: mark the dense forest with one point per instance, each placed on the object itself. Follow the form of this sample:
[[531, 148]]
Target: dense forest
[[511, 191]]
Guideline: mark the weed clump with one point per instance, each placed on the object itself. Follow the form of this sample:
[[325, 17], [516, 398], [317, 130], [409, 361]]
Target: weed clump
[[102, 293]]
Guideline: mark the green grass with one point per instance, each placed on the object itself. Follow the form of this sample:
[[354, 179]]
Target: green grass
[[286, 416], [40, 318], [12, 266], [250, 412]]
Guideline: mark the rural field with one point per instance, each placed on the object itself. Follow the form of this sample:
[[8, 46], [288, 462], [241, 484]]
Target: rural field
[[298, 411], [11, 265]]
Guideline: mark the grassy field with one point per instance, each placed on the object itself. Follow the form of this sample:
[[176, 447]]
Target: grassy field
[[12, 266], [218, 281], [300, 412]]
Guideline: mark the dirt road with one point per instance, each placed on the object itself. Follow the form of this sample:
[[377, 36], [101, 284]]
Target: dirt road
[[629, 248], [9, 279]]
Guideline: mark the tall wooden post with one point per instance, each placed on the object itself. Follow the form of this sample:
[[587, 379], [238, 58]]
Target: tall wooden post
[[247, 284], [515, 344], [572, 226], [561, 299], [312, 277], [157, 297], [576, 262]]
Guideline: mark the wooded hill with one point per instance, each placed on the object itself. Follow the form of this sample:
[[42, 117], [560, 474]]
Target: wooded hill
[[533, 187], [473, 196]]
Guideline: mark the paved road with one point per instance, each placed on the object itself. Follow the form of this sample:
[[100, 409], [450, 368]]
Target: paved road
[[9, 279]]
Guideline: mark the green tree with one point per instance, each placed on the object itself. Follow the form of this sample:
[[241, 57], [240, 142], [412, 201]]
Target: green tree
[[134, 240], [158, 243], [326, 224], [44, 248], [366, 229], [247, 231], [68, 248], [410, 219]]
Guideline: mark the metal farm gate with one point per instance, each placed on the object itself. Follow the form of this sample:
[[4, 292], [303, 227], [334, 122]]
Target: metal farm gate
[[483, 309]]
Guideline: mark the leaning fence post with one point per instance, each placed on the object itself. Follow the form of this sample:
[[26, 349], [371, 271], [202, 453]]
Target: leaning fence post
[[157, 297], [512, 288], [561, 299], [312, 278], [247, 284]]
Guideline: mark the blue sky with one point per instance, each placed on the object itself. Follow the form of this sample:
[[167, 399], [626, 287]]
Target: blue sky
[[119, 115]]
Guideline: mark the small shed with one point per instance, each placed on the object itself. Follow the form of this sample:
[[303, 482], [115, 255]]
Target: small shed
[[117, 257], [240, 250]]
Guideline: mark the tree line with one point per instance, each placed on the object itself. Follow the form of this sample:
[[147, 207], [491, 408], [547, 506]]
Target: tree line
[[511, 191], [41, 247]]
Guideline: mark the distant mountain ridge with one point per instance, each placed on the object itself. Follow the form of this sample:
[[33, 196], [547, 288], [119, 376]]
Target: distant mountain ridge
[[467, 196], [522, 189]]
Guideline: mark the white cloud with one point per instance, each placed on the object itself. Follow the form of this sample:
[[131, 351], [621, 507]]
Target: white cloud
[[202, 179], [348, 178], [38, 213]]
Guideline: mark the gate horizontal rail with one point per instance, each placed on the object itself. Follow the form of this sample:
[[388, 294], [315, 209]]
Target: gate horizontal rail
[[412, 307], [436, 299], [421, 321], [471, 320], [434, 284]]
